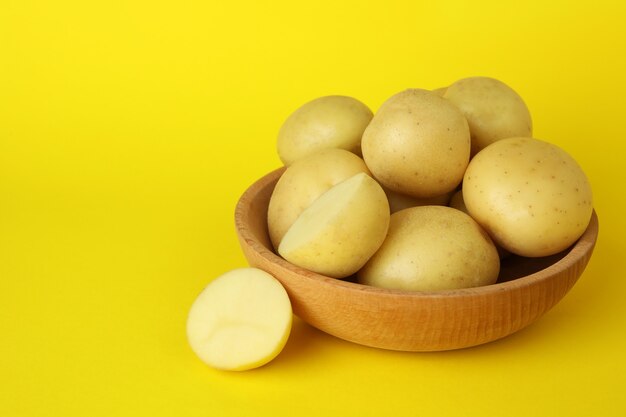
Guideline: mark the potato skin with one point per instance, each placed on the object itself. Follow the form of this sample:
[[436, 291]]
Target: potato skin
[[325, 122], [417, 144], [431, 248], [530, 195], [493, 110], [303, 182]]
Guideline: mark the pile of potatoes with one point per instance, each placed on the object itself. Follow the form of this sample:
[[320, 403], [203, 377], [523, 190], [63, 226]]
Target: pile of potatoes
[[426, 194]]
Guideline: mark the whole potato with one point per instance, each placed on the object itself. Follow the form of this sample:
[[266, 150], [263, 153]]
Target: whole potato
[[417, 144], [303, 182], [431, 248], [326, 122], [531, 196], [493, 110], [341, 230]]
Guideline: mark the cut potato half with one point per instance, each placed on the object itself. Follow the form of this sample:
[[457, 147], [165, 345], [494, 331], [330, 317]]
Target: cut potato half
[[240, 321], [303, 182], [341, 230]]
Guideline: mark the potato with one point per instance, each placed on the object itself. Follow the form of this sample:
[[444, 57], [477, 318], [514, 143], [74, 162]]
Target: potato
[[531, 196], [417, 144], [493, 110], [431, 248], [341, 230], [326, 122], [305, 181], [240, 321]]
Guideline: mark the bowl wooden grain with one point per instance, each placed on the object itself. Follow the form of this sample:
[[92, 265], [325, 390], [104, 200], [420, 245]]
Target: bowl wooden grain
[[413, 321]]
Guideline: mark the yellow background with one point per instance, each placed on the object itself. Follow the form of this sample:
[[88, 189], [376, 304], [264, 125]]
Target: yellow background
[[128, 130]]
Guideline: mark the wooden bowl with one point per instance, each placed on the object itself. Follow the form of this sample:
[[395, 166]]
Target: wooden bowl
[[413, 321]]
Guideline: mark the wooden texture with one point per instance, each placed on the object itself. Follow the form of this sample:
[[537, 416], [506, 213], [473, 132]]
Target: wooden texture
[[413, 321]]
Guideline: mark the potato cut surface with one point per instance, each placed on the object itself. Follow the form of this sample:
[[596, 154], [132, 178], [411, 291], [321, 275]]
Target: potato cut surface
[[341, 230], [240, 321]]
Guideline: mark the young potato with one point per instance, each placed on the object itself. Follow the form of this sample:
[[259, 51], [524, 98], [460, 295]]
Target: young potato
[[493, 110], [341, 230], [417, 144], [531, 196], [431, 248], [303, 182], [326, 122], [240, 321]]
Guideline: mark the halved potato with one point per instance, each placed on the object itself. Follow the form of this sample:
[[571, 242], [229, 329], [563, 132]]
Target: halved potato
[[341, 230], [303, 182], [240, 321]]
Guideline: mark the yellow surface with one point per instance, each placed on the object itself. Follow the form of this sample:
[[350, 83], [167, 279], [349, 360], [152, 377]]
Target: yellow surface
[[128, 130]]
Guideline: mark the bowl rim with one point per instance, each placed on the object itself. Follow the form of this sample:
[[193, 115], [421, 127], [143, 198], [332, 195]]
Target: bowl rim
[[582, 247]]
